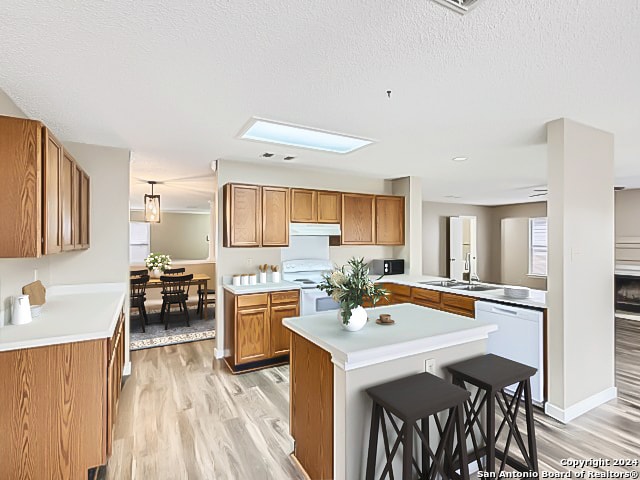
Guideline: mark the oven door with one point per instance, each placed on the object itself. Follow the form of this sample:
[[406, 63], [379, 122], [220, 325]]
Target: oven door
[[314, 301]]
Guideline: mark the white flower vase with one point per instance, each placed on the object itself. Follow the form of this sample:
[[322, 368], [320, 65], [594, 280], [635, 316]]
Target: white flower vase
[[156, 273], [357, 320]]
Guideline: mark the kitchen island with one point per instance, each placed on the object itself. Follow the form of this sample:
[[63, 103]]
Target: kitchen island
[[331, 368]]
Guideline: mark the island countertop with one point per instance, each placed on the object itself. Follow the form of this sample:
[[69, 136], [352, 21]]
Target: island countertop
[[417, 329], [72, 313]]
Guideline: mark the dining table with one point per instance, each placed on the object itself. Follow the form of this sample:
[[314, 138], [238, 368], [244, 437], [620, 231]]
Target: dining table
[[199, 279]]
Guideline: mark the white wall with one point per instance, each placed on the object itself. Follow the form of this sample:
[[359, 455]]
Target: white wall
[[240, 260], [108, 258], [581, 268]]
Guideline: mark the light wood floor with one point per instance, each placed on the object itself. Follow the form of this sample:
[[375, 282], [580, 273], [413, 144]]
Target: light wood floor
[[180, 419]]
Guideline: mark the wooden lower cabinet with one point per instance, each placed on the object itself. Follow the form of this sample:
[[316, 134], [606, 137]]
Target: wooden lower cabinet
[[448, 302], [311, 416], [254, 330], [59, 404]]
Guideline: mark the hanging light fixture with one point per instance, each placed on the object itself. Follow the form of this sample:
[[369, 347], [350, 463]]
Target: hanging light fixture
[[152, 206]]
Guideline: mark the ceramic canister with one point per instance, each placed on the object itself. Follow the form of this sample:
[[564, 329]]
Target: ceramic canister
[[21, 311]]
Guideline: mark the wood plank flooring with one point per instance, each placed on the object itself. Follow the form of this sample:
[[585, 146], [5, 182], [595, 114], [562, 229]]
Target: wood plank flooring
[[181, 419]]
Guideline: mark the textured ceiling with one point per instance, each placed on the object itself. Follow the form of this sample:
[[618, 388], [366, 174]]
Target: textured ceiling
[[176, 83]]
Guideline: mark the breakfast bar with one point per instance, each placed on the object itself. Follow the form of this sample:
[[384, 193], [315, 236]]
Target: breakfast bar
[[331, 368]]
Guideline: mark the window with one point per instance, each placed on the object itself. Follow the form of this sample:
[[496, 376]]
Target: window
[[538, 246], [139, 235]]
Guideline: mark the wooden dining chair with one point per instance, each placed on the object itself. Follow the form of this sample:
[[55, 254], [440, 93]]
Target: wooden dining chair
[[138, 297], [211, 299], [175, 291], [174, 271], [138, 273]]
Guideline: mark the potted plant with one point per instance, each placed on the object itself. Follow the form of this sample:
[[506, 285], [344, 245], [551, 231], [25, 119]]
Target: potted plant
[[350, 285], [157, 263]]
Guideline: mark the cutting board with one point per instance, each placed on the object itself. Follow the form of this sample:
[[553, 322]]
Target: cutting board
[[37, 293]]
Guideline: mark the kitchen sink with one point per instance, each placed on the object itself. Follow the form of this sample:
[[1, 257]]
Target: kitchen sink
[[475, 287], [441, 283]]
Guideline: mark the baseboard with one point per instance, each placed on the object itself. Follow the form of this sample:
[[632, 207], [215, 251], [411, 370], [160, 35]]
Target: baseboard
[[127, 369], [220, 353], [574, 411]]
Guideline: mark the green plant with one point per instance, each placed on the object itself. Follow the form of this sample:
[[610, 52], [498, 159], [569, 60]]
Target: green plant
[[349, 285], [158, 261]]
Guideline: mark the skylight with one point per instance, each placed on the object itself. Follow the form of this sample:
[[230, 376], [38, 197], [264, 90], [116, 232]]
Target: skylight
[[297, 136]]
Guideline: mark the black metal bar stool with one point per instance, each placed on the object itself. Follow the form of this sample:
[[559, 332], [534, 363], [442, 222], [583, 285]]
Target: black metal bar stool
[[491, 374], [414, 401]]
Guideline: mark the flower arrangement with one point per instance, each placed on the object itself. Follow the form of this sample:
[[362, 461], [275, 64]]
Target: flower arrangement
[[349, 285], [158, 261]]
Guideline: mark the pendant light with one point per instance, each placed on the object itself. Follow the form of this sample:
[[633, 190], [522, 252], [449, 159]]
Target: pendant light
[[152, 206]]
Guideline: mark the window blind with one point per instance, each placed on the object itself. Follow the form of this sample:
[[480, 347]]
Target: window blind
[[538, 248]]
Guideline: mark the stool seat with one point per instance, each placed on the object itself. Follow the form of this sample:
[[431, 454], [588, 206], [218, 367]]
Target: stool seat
[[491, 371], [418, 396]]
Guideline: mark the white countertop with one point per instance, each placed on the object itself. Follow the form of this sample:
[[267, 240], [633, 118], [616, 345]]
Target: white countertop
[[261, 287], [537, 298], [417, 330], [72, 313]]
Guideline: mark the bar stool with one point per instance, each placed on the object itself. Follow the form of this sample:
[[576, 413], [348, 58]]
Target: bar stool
[[416, 399], [491, 374]]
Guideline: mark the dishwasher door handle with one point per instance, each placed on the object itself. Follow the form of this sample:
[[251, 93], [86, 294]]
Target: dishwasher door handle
[[507, 311]]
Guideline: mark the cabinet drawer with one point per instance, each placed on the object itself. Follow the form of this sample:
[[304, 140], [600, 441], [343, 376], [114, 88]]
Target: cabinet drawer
[[290, 296], [459, 302], [431, 296], [459, 311], [252, 300], [396, 289]]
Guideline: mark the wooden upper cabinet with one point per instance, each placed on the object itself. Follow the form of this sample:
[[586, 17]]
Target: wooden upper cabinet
[[52, 234], [389, 220], [20, 200], [77, 207], [67, 174], [304, 208], [329, 207], [275, 217], [358, 219], [85, 205], [243, 216]]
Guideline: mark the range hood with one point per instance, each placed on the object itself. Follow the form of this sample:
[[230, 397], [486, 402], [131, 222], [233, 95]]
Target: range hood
[[314, 229]]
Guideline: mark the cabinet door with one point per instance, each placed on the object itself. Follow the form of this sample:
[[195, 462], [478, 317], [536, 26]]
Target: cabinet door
[[243, 212], [52, 163], [329, 207], [66, 201], [275, 217], [358, 213], [77, 207], [389, 220], [303, 206], [252, 335], [85, 211], [280, 335]]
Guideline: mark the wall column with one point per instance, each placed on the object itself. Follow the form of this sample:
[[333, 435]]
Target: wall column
[[411, 251], [581, 322]]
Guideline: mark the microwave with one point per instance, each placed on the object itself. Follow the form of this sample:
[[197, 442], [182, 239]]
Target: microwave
[[387, 267]]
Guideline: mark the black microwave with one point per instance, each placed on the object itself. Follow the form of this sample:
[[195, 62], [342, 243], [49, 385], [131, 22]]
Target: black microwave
[[387, 267]]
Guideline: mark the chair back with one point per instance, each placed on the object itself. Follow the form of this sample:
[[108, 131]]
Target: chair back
[[175, 287], [138, 273], [139, 286], [174, 271]]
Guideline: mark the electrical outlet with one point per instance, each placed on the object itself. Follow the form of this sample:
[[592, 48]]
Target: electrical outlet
[[249, 262], [430, 366]]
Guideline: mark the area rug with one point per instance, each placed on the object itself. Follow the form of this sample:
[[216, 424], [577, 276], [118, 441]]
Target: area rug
[[178, 332]]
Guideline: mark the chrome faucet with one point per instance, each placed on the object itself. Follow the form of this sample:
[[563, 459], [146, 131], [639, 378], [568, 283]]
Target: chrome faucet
[[468, 264]]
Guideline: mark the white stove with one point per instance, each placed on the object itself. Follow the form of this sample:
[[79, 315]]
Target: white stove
[[307, 273]]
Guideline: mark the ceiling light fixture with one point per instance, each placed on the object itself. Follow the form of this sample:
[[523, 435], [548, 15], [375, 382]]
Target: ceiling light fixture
[[152, 205], [460, 159], [262, 130]]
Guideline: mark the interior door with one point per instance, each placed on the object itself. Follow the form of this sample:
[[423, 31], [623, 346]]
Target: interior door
[[456, 257]]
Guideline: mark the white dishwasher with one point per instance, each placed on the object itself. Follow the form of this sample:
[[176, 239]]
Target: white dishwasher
[[519, 338]]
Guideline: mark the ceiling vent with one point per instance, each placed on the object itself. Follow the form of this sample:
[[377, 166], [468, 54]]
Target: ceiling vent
[[460, 6]]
